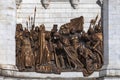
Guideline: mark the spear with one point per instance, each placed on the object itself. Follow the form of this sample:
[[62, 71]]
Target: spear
[[99, 21], [27, 24], [31, 21], [96, 19], [34, 16]]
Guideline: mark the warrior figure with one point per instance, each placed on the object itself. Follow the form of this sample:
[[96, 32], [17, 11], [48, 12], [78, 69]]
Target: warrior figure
[[18, 37], [27, 54]]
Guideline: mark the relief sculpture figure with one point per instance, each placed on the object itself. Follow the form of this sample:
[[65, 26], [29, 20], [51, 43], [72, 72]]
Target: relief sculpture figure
[[34, 44], [45, 64], [18, 37], [27, 54]]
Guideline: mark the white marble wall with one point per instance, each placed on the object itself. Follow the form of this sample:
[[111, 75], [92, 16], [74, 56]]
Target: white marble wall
[[58, 12], [7, 33], [114, 32], [111, 24]]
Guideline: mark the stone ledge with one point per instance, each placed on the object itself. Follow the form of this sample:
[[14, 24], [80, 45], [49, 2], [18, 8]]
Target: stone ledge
[[9, 78], [34, 75], [110, 71], [8, 67], [108, 78]]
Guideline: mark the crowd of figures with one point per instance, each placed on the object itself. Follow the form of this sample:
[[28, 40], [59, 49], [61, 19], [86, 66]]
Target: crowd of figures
[[68, 49]]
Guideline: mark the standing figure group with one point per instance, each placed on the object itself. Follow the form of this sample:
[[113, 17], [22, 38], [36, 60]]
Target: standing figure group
[[68, 49]]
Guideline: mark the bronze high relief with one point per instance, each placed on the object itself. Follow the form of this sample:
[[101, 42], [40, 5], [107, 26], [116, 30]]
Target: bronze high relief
[[68, 49]]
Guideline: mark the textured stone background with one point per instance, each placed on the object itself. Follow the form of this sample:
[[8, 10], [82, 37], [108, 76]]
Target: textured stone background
[[58, 12], [7, 31]]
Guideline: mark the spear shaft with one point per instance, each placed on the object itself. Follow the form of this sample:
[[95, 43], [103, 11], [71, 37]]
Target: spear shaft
[[34, 16], [27, 24]]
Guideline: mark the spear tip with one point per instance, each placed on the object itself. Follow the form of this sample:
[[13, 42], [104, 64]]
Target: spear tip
[[35, 8]]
